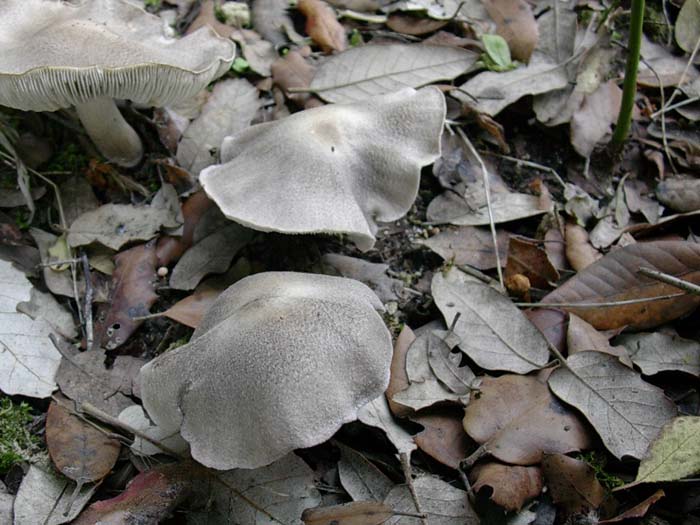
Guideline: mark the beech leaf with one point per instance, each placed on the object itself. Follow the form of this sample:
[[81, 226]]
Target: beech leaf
[[615, 277], [365, 71], [626, 412], [492, 331]]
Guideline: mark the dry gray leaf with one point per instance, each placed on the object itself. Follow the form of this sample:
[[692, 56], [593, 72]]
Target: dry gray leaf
[[58, 282], [135, 416], [271, 20], [283, 490], [496, 91], [365, 71], [688, 25], [114, 225], [211, 254], [44, 496], [231, 107], [581, 336], [667, 67], [441, 502], [28, 358], [680, 193], [445, 364], [376, 413], [592, 121], [360, 478], [45, 306], [471, 210], [372, 274], [659, 352], [492, 331], [626, 412], [260, 54], [424, 388], [166, 198], [77, 197], [468, 245]]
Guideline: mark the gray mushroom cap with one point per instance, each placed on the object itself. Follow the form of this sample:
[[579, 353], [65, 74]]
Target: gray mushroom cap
[[57, 54], [279, 362], [334, 169]]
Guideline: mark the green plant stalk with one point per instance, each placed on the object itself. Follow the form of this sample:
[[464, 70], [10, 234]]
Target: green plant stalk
[[629, 87]]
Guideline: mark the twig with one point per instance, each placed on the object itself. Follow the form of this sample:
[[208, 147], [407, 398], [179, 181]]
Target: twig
[[677, 105], [601, 305], [58, 263], [528, 164], [629, 88], [89, 292], [482, 277], [681, 284], [677, 90], [487, 191], [407, 473]]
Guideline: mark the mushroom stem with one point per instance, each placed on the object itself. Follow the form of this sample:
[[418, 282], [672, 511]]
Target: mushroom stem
[[112, 135]]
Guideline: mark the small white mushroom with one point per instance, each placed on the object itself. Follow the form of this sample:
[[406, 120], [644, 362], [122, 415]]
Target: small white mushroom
[[335, 169], [280, 361], [57, 54]]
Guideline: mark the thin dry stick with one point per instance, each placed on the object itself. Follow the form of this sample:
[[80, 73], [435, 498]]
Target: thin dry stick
[[681, 284], [89, 291], [601, 305], [408, 474], [487, 191], [677, 90], [528, 164]]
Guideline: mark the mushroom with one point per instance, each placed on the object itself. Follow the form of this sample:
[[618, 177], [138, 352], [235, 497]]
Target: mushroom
[[59, 54], [334, 169], [280, 361]]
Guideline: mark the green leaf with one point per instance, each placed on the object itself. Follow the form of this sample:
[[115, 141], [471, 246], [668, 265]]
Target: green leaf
[[240, 65], [498, 51], [675, 454]]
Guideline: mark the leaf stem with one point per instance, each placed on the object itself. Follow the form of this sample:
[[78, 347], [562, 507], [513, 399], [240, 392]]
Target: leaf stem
[[629, 89]]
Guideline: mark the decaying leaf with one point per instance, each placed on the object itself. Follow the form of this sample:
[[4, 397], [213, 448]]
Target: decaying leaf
[[132, 296], [365, 71], [527, 258], [638, 511], [398, 378], [271, 20], [447, 366], [424, 388], [472, 210], [356, 513], [517, 420], [680, 193], [376, 413], [322, 25], [293, 71], [626, 412], [48, 498], [552, 323], [373, 275], [579, 251], [83, 377], [615, 278], [687, 24], [443, 437], [659, 352], [149, 498], [190, 310], [360, 478], [572, 483], [516, 24], [511, 486], [468, 245], [79, 450], [592, 121], [279, 492], [667, 68], [675, 454], [44, 306], [414, 25], [114, 225], [28, 358], [492, 331], [260, 54], [442, 503], [230, 108], [581, 337], [495, 91], [135, 417]]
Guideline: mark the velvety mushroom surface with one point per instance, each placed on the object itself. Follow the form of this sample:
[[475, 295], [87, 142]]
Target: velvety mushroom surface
[[57, 54], [280, 361], [334, 169]]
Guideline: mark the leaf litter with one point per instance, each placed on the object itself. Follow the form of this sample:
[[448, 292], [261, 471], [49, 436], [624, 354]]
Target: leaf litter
[[597, 230]]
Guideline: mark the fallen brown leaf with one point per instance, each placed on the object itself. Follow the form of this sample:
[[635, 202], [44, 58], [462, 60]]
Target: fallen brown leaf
[[207, 17], [592, 121], [572, 484], [413, 25], [293, 71], [581, 336], [190, 310], [131, 296], [518, 420], [555, 246], [443, 437], [322, 25], [355, 513], [148, 498], [639, 510], [79, 450], [170, 249], [511, 486], [552, 323], [398, 380], [516, 23], [468, 245], [527, 258], [615, 278]]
